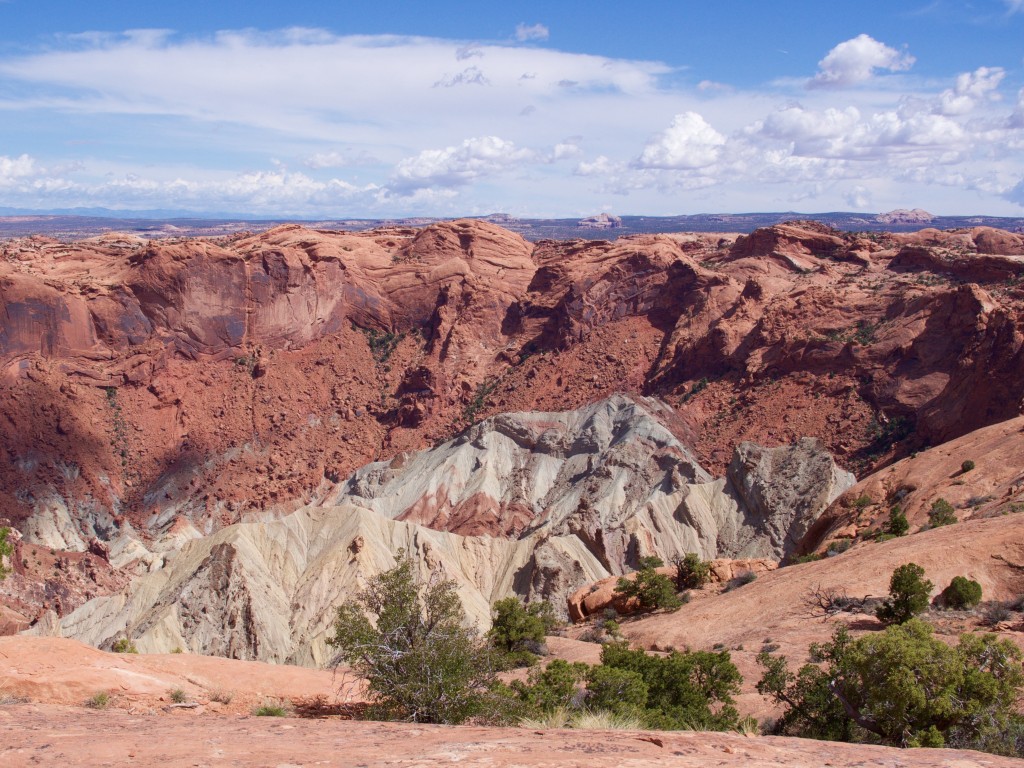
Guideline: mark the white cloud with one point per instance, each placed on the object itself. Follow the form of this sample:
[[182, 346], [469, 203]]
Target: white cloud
[[856, 60], [1014, 6], [335, 159], [970, 89], [798, 123], [565, 150], [858, 198], [272, 193], [458, 165], [468, 76], [690, 142], [599, 166], [171, 120], [1016, 120], [525, 32], [15, 169]]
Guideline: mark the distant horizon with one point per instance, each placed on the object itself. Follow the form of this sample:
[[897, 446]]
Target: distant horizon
[[161, 214], [392, 110]]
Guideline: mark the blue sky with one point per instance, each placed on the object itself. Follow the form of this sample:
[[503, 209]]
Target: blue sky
[[340, 110]]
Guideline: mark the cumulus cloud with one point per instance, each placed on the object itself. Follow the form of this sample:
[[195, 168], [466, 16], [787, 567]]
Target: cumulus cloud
[[526, 32], [458, 165], [15, 169], [855, 61], [858, 198], [688, 143], [599, 166], [970, 89]]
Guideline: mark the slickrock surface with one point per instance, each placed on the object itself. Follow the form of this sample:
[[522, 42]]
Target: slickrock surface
[[59, 671], [993, 487], [780, 610], [35, 735]]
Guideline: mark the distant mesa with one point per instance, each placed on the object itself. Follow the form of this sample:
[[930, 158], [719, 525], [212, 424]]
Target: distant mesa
[[903, 216], [601, 221], [501, 218]]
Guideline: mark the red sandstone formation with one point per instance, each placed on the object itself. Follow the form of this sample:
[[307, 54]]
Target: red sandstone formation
[[150, 384]]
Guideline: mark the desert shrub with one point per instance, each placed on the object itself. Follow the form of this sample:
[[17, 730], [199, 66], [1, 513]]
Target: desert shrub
[[100, 700], [692, 572], [961, 594], [606, 721], [221, 696], [595, 634], [555, 718], [557, 687], [620, 691], [124, 645], [680, 690], [650, 589], [995, 613], [941, 513], [838, 546], [828, 601], [897, 524], [967, 466], [518, 631], [862, 502], [810, 557], [421, 660], [684, 690], [909, 595], [901, 687], [178, 696], [270, 709], [6, 550], [743, 579]]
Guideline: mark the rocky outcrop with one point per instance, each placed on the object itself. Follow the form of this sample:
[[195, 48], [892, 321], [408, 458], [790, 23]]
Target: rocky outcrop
[[595, 598], [782, 491]]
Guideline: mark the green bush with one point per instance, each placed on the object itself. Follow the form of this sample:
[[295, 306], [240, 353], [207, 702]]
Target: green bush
[[620, 691], [967, 466], [124, 645], [6, 550], [810, 557], [100, 700], [556, 687], [421, 660], [692, 572], [961, 594], [897, 524], [518, 631], [270, 710], [941, 513], [838, 546], [650, 589], [178, 696], [747, 577], [902, 687], [677, 691], [909, 595], [684, 690]]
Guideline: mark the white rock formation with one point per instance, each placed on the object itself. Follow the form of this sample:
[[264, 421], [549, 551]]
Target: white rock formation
[[534, 504]]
